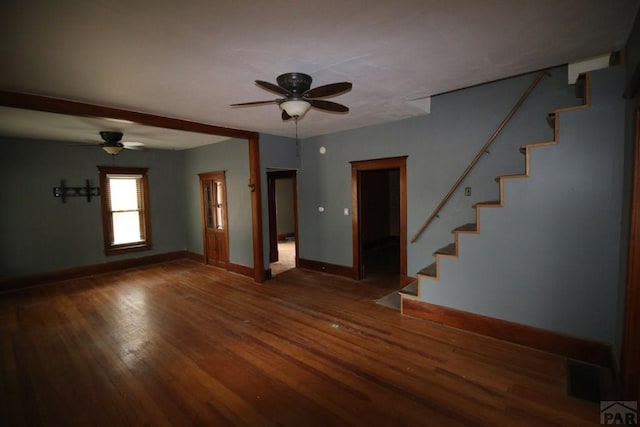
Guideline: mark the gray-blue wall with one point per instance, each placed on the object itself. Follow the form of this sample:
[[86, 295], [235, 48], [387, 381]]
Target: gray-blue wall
[[231, 156], [285, 219], [549, 258], [439, 146], [632, 61], [275, 153], [39, 233]]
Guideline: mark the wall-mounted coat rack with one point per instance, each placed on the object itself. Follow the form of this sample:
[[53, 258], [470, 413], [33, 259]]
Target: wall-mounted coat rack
[[87, 191]]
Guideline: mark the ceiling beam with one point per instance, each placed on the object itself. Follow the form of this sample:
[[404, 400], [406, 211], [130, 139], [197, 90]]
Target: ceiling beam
[[74, 108]]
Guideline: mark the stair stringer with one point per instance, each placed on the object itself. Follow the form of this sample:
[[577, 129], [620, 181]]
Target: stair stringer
[[431, 285]]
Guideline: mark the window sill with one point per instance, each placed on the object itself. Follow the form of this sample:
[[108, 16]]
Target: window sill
[[123, 249]]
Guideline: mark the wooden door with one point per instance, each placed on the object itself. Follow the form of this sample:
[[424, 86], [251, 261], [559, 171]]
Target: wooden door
[[214, 218]]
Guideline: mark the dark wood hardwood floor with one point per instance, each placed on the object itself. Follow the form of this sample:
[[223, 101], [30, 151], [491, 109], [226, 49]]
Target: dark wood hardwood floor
[[185, 344]]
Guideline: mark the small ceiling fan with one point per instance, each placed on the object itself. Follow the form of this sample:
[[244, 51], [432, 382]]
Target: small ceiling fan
[[113, 143], [299, 97]]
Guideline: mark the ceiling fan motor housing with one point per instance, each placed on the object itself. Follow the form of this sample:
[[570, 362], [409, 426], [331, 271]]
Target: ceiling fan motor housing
[[296, 83], [111, 137]]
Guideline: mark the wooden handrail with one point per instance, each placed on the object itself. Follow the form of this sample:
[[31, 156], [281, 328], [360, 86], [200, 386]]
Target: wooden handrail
[[482, 151]]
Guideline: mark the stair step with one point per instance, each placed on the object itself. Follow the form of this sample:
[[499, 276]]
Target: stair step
[[520, 175], [581, 86], [490, 203], [472, 226], [551, 120], [450, 249], [431, 270], [411, 289]]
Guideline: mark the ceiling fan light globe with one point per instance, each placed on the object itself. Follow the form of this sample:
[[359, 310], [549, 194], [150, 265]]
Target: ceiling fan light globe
[[111, 149], [295, 108]]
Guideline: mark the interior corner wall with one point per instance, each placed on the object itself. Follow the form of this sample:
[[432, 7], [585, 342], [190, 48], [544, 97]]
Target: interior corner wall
[[231, 156], [632, 61], [276, 152], [285, 221], [39, 233], [439, 146]]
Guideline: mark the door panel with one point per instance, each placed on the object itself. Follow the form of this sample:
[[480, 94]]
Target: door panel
[[214, 218]]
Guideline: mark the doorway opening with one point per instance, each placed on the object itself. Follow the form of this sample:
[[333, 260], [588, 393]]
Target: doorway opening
[[379, 221], [282, 196]]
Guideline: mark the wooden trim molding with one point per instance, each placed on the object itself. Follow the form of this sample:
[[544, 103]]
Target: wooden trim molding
[[227, 266], [575, 348], [107, 219], [16, 283], [256, 209], [195, 257], [240, 269], [325, 267], [358, 166], [74, 108], [13, 284], [630, 357]]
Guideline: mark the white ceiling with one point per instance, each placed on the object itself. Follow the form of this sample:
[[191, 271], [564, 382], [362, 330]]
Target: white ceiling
[[59, 127], [191, 59]]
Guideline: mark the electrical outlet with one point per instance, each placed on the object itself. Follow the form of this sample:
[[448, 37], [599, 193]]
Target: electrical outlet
[[467, 191]]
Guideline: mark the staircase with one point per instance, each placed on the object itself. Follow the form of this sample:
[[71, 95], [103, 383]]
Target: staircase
[[540, 266], [431, 271]]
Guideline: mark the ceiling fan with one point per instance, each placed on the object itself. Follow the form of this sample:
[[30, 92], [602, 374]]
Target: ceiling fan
[[299, 97], [113, 143]]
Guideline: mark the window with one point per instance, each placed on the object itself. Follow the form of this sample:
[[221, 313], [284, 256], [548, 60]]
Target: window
[[124, 194]]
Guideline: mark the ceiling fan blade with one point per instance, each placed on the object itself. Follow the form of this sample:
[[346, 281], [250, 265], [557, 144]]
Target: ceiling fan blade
[[135, 147], [328, 90], [246, 104], [328, 106], [273, 88], [286, 116]]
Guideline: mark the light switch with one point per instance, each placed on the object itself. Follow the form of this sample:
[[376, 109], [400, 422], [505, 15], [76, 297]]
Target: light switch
[[346, 211]]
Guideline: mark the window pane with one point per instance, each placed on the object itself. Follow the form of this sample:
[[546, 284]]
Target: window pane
[[124, 194], [208, 203], [219, 219], [126, 227]]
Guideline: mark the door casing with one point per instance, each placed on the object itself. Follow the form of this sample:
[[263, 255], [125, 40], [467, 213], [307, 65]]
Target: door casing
[[272, 177], [357, 167]]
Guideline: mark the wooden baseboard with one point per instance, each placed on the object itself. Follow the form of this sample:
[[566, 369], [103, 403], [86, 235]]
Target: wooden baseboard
[[405, 280], [338, 270], [240, 269], [12, 284], [228, 266], [575, 348], [194, 256]]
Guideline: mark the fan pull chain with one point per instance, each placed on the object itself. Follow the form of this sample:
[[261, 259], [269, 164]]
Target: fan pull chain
[[297, 142]]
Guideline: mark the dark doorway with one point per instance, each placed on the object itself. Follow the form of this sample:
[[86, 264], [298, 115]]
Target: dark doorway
[[282, 196], [380, 223], [379, 220]]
